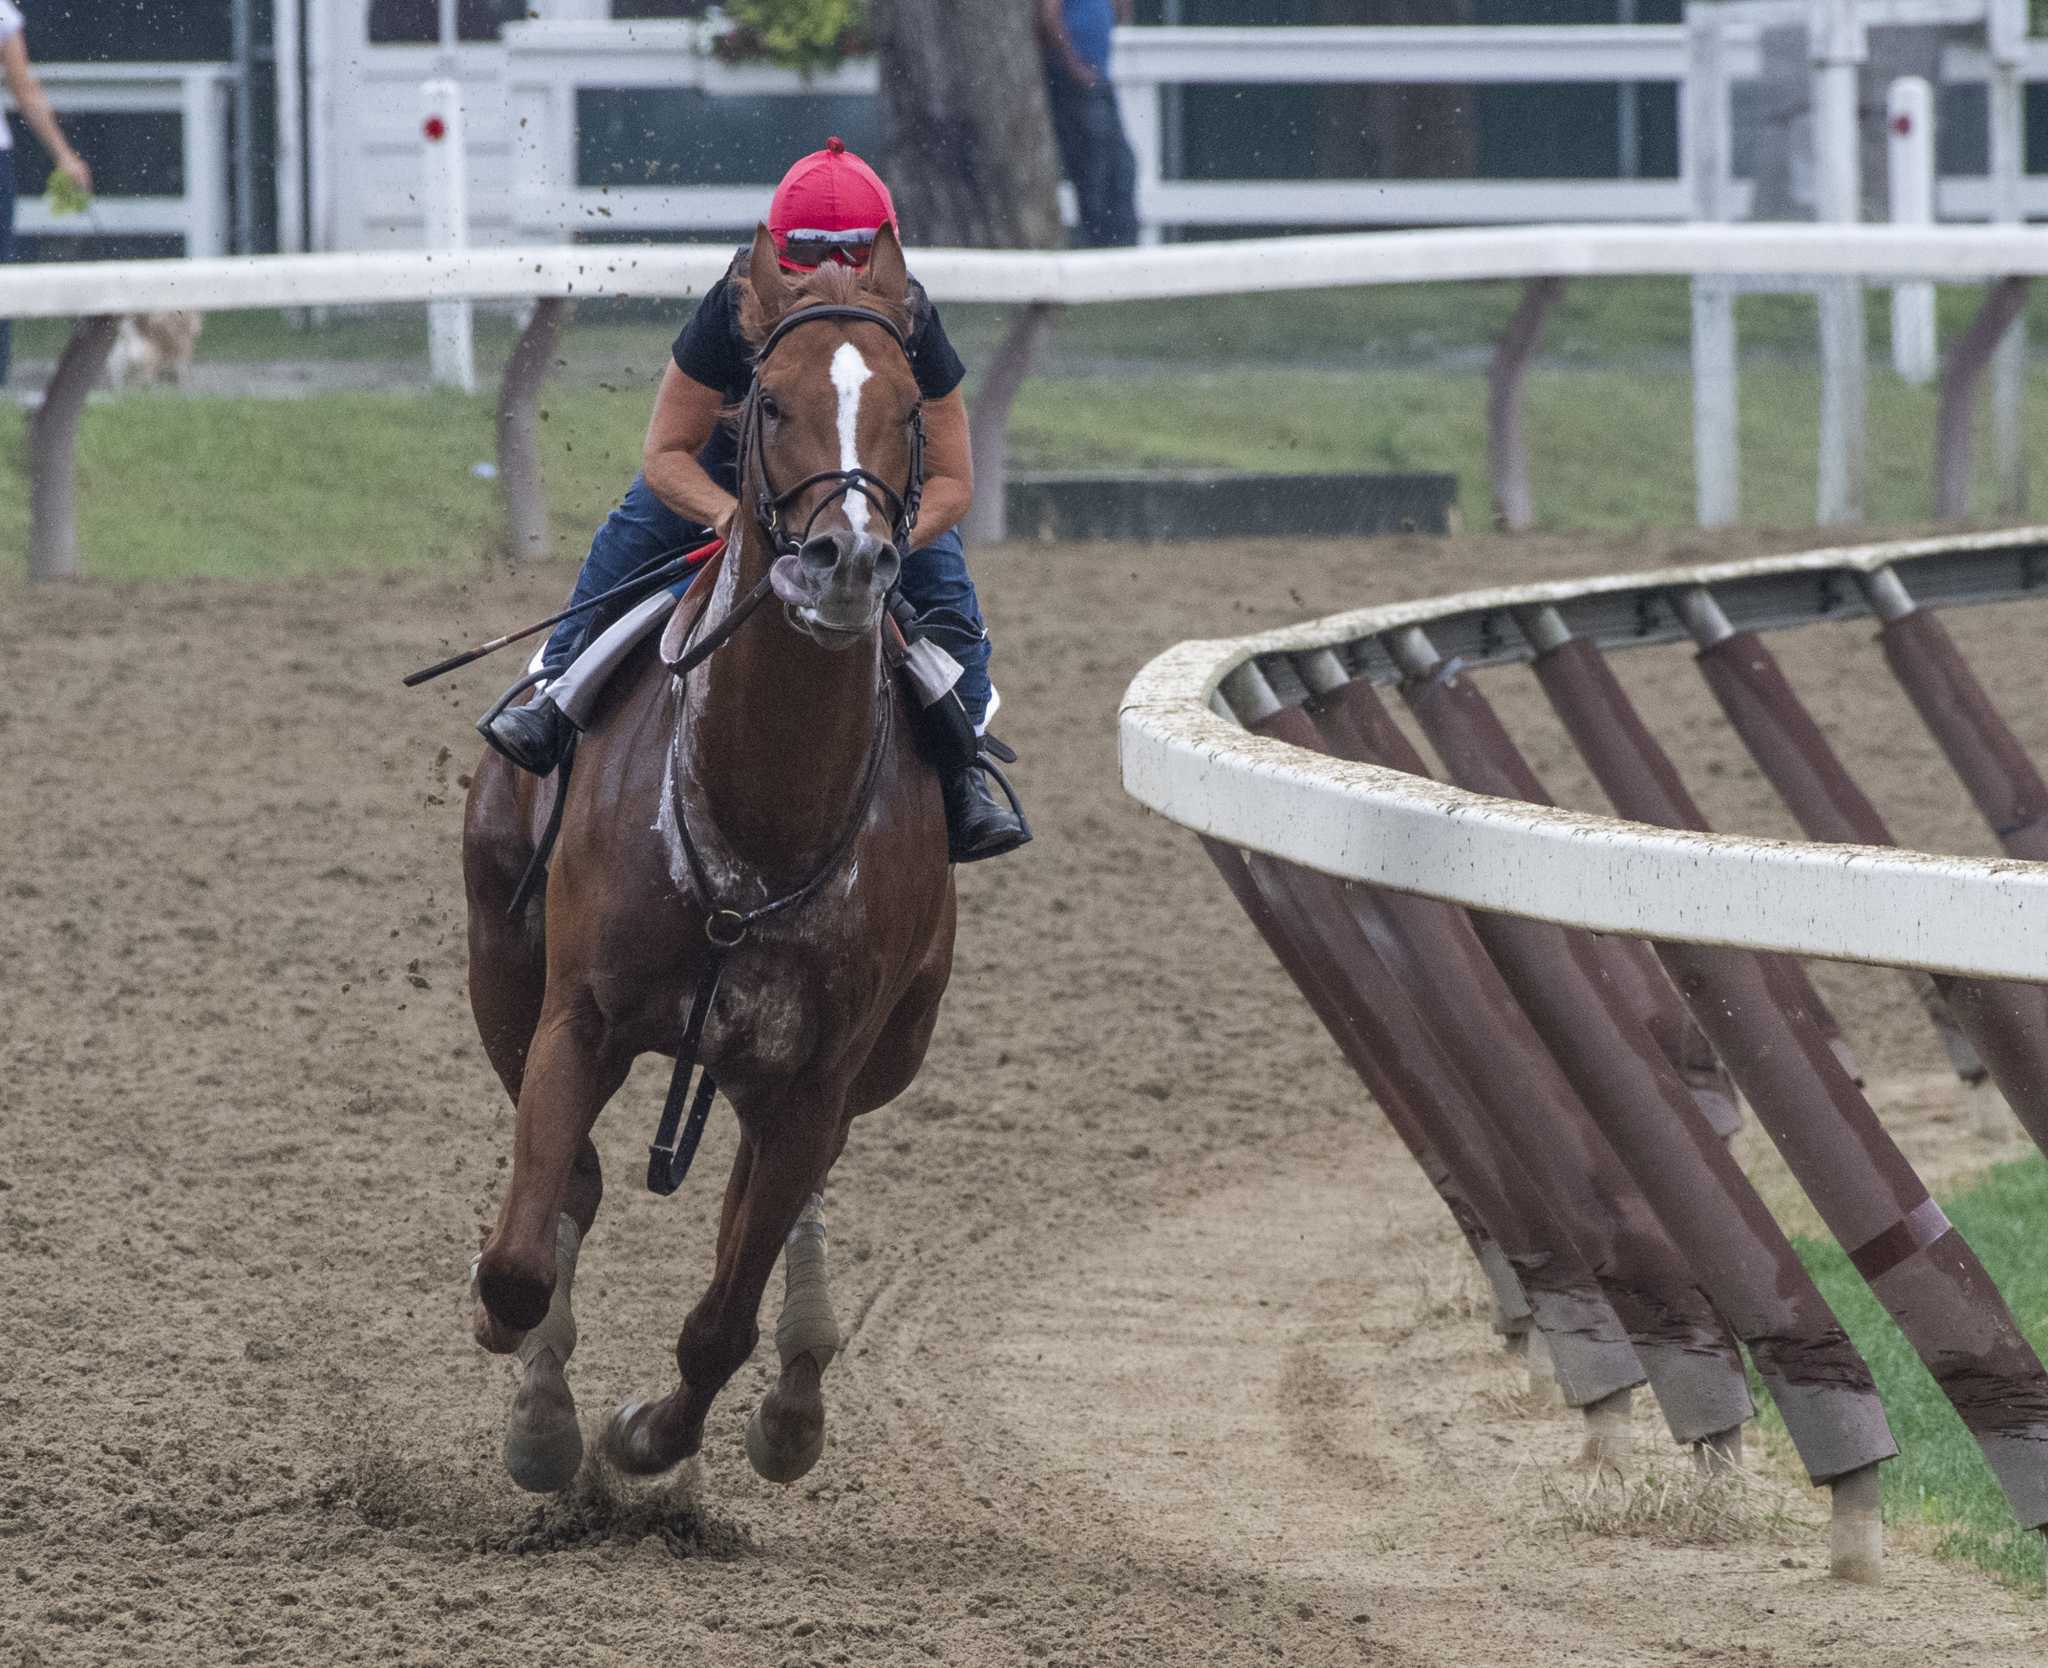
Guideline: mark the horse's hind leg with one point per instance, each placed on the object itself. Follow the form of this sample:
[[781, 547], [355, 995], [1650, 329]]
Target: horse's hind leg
[[543, 1441], [782, 1163], [787, 1432]]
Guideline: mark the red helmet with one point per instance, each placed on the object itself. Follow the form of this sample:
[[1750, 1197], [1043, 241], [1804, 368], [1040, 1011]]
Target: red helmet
[[829, 205]]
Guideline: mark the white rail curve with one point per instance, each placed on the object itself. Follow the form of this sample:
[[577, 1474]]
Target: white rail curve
[[1186, 758]]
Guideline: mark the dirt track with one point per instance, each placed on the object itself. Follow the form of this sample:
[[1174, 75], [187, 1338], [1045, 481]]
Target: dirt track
[[1163, 1352]]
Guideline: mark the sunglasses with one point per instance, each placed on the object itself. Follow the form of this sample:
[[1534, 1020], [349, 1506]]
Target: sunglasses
[[813, 248]]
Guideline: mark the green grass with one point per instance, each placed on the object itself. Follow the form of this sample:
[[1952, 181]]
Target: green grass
[[256, 488], [1940, 1480]]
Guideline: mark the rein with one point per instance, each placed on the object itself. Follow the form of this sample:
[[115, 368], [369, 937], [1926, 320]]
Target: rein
[[675, 1139]]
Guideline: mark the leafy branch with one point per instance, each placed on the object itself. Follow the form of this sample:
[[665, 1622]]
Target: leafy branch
[[806, 35]]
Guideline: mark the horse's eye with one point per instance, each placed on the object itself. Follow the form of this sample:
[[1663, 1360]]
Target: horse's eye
[[769, 408]]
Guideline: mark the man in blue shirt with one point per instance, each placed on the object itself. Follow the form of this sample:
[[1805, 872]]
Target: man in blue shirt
[[1074, 36]]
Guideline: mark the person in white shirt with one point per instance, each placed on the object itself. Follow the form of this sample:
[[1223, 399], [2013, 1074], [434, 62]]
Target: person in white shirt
[[35, 109]]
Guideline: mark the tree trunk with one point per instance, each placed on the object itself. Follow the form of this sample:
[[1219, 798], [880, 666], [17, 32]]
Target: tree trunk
[[969, 134]]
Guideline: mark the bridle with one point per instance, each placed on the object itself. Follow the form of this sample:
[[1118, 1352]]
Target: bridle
[[898, 508]]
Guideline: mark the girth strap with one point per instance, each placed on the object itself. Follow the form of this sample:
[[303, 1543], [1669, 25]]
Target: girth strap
[[669, 1157]]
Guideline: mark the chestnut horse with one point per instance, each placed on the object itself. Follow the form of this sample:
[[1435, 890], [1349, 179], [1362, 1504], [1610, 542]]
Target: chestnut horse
[[781, 769]]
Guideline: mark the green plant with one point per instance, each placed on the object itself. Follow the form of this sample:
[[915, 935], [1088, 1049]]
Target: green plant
[[807, 35], [66, 195]]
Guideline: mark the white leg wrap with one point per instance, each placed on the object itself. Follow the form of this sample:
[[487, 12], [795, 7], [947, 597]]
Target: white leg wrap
[[557, 1330], [807, 1324]]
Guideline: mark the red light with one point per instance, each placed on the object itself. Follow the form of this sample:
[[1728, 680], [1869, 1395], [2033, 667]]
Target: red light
[[435, 129], [1902, 125]]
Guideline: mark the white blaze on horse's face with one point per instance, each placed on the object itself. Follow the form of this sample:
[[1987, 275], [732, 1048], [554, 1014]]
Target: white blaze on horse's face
[[850, 374]]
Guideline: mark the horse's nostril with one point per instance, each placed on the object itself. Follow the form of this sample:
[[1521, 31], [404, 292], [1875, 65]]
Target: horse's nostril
[[822, 553]]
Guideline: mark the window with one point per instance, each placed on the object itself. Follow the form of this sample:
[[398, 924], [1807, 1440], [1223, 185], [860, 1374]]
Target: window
[[405, 22], [485, 20]]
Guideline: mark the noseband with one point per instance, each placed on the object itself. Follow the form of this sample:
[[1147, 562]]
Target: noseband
[[899, 508]]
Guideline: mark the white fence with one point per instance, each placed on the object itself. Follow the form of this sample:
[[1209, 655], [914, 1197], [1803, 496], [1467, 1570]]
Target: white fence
[[555, 275], [198, 94], [1187, 758], [548, 63]]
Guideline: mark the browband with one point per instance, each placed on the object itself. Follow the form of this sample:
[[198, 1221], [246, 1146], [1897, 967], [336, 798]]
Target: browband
[[832, 310]]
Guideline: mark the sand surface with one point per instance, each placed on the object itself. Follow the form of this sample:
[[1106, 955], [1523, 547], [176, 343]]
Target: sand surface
[[1161, 1352]]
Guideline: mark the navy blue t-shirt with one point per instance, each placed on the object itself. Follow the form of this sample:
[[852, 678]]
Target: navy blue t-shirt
[[712, 351], [1089, 23]]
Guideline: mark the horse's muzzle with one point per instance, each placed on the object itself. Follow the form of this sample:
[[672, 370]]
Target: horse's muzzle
[[834, 586]]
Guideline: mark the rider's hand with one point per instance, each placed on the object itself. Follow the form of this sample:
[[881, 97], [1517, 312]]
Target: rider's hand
[[73, 168], [723, 525]]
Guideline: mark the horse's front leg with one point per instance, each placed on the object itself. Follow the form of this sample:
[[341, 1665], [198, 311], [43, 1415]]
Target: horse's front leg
[[524, 1274], [782, 1164], [787, 1433]]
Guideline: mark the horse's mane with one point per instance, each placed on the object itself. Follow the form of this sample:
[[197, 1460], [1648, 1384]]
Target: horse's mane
[[831, 285]]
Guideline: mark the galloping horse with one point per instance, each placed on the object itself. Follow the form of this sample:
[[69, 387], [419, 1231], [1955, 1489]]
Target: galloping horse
[[766, 812]]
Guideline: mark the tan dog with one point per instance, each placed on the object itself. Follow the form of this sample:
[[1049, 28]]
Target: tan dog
[[152, 347]]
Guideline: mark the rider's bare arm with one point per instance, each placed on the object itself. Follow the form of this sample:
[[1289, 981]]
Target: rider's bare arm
[[35, 110], [948, 467], [685, 417]]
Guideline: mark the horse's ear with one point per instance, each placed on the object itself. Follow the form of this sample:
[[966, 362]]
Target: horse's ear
[[764, 272], [886, 275]]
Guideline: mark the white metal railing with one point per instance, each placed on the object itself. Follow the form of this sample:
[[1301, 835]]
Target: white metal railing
[[1941, 254], [549, 61], [198, 94], [1192, 763], [554, 275]]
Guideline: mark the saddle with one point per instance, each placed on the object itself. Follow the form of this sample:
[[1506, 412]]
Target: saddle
[[912, 646]]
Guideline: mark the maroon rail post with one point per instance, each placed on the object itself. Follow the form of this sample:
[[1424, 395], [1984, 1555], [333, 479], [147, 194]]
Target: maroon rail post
[[1756, 1008], [1410, 1076], [1564, 979], [1511, 1303], [1684, 1345], [2003, 1024], [1980, 745]]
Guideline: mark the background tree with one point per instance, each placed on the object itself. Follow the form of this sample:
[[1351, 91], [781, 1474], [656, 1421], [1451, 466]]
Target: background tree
[[970, 154], [971, 157]]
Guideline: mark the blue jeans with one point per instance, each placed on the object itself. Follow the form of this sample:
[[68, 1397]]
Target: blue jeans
[[1097, 158], [643, 530]]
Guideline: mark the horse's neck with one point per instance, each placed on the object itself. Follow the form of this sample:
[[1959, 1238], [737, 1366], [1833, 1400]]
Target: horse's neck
[[776, 731]]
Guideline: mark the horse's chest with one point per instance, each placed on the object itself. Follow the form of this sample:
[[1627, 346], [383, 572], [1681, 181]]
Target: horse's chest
[[785, 1002]]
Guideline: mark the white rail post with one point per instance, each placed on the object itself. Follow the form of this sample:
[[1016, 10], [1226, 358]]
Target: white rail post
[[1138, 103], [204, 153], [444, 197], [1716, 455], [2006, 24], [1909, 159], [1838, 46]]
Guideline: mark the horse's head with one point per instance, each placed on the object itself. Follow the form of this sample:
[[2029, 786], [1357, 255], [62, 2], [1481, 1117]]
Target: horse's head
[[832, 437]]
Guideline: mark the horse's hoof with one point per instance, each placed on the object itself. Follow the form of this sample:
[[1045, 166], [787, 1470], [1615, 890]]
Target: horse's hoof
[[787, 1432], [782, 1443], [543, 1442], [635, 1443], [544, 1461]]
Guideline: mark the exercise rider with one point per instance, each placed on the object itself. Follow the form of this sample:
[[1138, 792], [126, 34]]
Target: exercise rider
[[828, 208]]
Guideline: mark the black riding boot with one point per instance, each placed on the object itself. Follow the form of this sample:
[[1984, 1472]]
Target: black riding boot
[[978, 824], [532, 736]]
